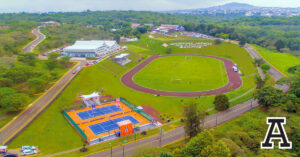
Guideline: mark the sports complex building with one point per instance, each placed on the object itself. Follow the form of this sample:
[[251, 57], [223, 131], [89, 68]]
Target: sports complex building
[[91, 48], [98, 122]]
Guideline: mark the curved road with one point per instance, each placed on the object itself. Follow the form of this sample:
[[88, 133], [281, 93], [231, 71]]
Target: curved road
[[234, 80], [39, 38]]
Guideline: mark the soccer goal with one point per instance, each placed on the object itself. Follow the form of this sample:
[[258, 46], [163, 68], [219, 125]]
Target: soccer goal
[[188, 57], [174, 80]]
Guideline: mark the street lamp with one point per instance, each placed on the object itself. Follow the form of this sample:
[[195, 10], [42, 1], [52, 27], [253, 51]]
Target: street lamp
[[124, 142], [0, 138], [110, 149]]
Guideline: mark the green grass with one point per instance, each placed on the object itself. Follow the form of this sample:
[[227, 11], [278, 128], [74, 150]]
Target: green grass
[[119, 141], [282, 61], [51, 131], [183, 74]]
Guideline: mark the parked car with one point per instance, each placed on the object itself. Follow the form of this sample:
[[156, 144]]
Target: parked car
[[10, 155], [3, 149], [28, 148], [29, 152]]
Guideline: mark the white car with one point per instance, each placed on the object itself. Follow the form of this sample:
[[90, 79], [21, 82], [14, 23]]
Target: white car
[[28, 148], [29, 152]]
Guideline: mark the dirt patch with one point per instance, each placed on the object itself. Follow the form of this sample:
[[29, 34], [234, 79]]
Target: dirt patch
[[152, 112]]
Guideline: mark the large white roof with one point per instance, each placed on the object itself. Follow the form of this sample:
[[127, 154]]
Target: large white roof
[[122, 55], [94, 94], [90, 44]]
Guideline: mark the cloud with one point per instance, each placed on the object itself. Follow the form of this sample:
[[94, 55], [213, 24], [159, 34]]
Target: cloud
[[155, 5]]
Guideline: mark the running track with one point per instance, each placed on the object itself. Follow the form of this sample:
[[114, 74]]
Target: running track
[[234, 80]]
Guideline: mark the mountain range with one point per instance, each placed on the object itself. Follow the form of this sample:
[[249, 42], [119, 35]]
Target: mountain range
[[240, 9]]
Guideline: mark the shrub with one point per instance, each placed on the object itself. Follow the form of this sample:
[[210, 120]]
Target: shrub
[[221, 102]]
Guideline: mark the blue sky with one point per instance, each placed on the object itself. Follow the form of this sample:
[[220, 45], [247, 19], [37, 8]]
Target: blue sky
[[154, 5]]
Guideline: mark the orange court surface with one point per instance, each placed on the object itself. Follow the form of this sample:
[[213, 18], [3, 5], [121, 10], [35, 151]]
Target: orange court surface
[[102, 120]]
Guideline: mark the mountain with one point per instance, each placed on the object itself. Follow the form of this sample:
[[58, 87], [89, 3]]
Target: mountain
[[240, 9], [229, 6], [232, 6]]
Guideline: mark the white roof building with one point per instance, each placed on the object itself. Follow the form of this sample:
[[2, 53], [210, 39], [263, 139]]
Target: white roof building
[[91, 48]]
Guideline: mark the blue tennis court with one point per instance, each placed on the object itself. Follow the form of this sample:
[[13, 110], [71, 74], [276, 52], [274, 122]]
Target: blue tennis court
[[110, 125], [98, 112]]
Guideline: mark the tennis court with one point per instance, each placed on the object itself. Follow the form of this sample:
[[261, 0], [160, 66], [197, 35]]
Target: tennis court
[[110, 125], [98, 112], [100, 122]]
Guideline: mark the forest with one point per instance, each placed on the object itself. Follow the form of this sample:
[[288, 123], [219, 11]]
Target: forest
[[277, 33]]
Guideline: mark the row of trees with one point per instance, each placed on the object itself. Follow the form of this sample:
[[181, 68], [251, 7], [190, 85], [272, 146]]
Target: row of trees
[[251, 30]]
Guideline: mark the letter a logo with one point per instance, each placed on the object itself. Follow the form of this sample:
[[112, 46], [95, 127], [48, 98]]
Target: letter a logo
[[276, 123], [126, 130]]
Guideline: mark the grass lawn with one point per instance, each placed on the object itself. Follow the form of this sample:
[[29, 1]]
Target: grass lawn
[[282, 61], [51, 131], [183, 74]]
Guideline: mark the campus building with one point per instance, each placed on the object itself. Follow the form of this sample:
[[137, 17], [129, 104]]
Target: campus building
[[91, 48], [167, 29]]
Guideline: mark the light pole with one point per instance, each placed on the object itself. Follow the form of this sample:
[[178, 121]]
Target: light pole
[[0, 138], [110, 149], [251, 105], [161, 132], [124, 142], [217, 119]]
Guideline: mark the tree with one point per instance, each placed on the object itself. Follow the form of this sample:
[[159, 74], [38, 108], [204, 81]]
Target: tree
[[28, 58], [64, 61], [117, 38], [279, 44], [19, 73], [217, 41], [196, 144], [265, 67], [221, 102], [258, 62], [165, 154], [52, 60], [220, 150], [5, 91], [242, 41], [168, 51], [193, 119], [14, 102], [37, 85], [269, 96], [259, 82]]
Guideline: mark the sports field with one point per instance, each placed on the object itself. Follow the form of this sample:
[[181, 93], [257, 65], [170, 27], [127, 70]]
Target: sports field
[[183, 74], [51, 131]]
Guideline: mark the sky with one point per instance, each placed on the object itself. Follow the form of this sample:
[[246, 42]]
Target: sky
[[153, 5]]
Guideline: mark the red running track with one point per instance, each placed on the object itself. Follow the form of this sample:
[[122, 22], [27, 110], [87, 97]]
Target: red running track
[[234, 80]]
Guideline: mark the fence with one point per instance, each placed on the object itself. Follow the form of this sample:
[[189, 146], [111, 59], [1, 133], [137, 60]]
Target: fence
[[75, 125], [136, 109]]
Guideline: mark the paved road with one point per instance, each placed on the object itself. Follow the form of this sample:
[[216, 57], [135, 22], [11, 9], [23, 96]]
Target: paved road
[[209, 122], [273, 72], [39, 38], [14, 127], [234, 80]]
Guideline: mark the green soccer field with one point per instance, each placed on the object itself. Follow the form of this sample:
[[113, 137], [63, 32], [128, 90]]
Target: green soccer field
[[183, 74]]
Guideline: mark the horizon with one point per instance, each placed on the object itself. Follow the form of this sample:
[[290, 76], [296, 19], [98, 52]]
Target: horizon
[[42, 6]]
